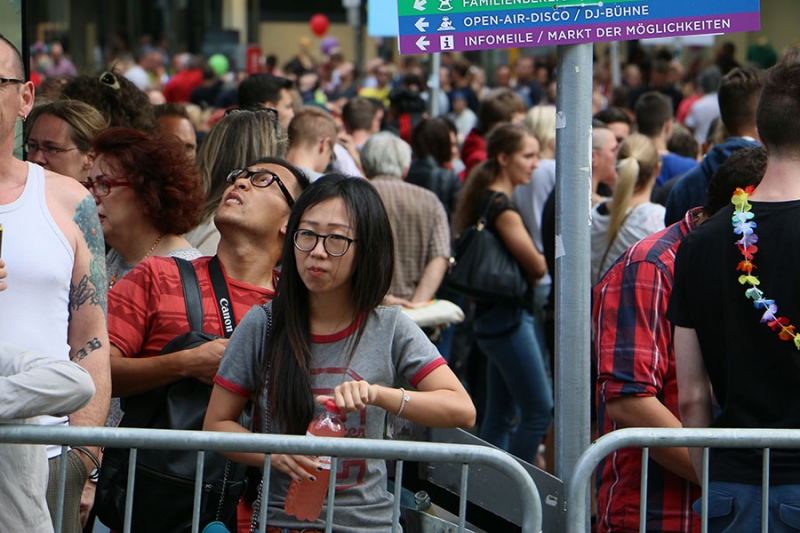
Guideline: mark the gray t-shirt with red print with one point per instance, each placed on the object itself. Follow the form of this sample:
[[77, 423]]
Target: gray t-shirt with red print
[[391, 346]]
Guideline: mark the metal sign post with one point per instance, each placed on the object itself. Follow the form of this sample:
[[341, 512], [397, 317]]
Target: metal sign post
[[573, 287]]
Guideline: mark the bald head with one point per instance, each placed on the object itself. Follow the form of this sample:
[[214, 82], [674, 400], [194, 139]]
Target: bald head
[[18, 69]]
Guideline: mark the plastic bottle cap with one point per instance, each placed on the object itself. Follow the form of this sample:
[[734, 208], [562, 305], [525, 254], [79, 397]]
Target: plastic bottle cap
[[330, 406]]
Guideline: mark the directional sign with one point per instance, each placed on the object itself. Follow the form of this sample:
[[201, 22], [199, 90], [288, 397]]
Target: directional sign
[[484, 24]]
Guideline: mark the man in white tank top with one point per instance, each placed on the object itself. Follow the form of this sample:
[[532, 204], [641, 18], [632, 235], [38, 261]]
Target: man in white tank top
[[55, 303]]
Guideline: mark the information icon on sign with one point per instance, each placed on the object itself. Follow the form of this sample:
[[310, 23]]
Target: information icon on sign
[[447, 42]]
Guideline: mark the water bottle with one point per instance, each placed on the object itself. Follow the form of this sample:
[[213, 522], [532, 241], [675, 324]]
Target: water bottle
[[305, 498]]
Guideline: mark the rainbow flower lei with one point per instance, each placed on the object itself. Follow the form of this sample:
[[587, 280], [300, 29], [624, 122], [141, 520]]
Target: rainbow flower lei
[[744, 225]]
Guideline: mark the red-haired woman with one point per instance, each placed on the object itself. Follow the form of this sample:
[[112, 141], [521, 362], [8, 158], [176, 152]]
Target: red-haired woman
[[148, 194]]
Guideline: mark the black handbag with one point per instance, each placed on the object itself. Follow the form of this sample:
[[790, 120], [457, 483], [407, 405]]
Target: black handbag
[[164, 488], [482, 267]]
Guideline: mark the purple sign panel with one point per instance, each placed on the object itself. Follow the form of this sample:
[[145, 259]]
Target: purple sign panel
[[460, 25]]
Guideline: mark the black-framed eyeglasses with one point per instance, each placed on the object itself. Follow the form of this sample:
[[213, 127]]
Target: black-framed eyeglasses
[[6, 81], [334, 244], [271, 111], [32, 147], [102, 186], [110, 80], [262, 179]]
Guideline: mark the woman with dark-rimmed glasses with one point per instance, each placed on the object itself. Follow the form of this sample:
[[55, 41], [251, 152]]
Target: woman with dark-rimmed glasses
[[147, 193], [330, 339]]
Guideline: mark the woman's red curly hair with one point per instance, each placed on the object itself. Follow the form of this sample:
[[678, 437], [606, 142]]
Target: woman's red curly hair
[[166, 182]]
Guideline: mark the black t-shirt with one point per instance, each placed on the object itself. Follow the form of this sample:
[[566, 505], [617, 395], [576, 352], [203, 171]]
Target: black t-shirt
[[755, 375]]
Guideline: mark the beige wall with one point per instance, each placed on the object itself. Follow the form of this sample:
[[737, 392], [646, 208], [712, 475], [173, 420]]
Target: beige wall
[[283, 40], [779, 25]]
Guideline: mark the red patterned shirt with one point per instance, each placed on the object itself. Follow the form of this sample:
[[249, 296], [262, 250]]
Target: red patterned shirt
[[636, 358], [146, 308]]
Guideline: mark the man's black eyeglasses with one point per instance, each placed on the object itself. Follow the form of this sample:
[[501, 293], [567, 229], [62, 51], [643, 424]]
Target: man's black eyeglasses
[[268, 110], [6, 81], [336, 245], [262, 179]]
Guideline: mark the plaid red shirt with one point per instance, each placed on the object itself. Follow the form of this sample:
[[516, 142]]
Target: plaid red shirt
[[635, 357]]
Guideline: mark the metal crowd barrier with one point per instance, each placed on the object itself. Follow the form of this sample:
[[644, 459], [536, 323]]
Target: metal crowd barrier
[[645, 438], [203, 441]]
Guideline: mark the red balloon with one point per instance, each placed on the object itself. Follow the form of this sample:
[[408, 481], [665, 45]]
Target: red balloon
[[319, 24]]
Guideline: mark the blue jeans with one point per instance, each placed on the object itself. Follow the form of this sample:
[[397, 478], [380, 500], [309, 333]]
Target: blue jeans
[[519, 403], [735, 507]]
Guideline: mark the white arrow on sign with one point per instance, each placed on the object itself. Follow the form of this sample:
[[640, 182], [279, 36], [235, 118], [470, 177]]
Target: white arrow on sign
[[421, 24], [420, 4], [422, 43]]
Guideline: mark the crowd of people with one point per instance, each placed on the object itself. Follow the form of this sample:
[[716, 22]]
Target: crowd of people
[[241, 247]]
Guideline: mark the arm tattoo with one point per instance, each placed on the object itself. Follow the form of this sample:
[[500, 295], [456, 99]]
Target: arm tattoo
[[91, 346], [94, 287]]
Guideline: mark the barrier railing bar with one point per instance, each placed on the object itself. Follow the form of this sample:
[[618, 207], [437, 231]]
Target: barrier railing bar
[[765, 492], [704, 490], [198, 490], [331, 494], [577, 507], [462, 502], [398, 490], [262, 510], [643, 489], [128, 519], [530, 521], [62, 488]]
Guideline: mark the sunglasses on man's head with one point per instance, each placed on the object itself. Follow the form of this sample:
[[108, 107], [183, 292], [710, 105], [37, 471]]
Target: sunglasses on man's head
[[110, 80], [268, 110]]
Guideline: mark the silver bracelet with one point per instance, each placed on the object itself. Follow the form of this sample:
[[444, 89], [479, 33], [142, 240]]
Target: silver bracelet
[[406, 399]]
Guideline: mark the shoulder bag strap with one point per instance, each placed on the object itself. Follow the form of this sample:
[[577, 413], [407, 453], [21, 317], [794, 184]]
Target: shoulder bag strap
[[266, 428], [191, 294], [222, 297], [485, 217]]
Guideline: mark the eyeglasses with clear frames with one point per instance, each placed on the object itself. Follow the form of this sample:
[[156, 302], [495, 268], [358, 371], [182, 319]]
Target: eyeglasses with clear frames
[[334, 244], [102, 186], [32, 147], [262, 179]]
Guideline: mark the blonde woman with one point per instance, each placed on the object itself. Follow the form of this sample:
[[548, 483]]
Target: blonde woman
[[531, 197], [58, 136], [630, 215]]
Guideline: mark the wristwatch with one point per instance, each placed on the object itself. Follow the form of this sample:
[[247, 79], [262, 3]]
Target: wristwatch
[[94, 475]]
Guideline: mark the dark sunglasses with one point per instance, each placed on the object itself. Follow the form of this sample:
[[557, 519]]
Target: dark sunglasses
[[110, 80]]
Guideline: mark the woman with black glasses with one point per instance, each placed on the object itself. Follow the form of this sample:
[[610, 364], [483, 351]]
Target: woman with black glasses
[[330, 339], [147, 193]]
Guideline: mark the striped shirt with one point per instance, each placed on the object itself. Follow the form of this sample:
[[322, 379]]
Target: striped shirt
[[636, 358]]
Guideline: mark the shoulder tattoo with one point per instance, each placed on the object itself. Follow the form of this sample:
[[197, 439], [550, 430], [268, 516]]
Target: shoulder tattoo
[[92, 288]]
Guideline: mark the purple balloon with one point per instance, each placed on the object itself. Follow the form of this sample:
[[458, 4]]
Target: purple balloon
[[328, 44]]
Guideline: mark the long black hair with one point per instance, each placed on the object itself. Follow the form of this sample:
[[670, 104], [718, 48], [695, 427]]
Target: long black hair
[[288, 349]]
